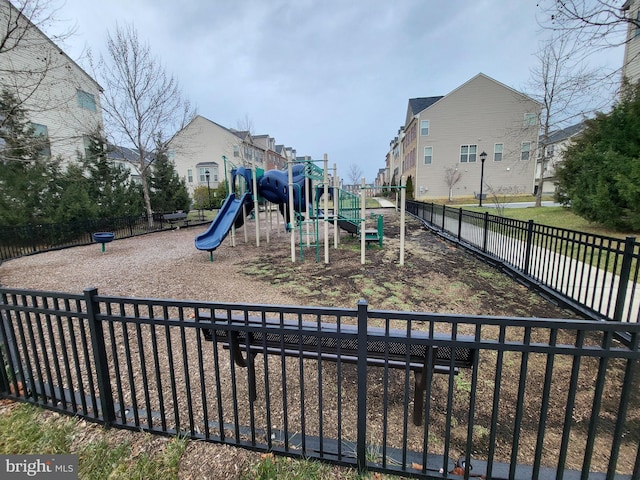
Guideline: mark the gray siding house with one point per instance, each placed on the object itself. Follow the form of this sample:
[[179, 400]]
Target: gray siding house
[[443, 137], [557, 143]]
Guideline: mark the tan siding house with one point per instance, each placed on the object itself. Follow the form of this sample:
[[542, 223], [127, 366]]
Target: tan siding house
[[202, 144], [481, 115], [199, 147], [61, 99]]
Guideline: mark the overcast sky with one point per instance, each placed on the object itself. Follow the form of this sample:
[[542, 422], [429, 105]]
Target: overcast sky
[[323, 76]]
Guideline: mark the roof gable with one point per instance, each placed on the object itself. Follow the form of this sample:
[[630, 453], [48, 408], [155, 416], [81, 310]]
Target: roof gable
[[486, 77], [418, 105]]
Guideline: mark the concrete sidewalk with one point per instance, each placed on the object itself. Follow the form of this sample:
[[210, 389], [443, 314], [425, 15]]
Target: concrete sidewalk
[[384, 203]]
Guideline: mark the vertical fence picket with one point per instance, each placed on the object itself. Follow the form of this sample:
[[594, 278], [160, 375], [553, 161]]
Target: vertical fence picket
[[528, 247], [361, 447]]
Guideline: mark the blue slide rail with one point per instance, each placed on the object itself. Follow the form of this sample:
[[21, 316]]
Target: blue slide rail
[[230, 211]]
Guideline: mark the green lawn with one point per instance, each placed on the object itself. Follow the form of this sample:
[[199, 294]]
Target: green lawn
[[555, 217]]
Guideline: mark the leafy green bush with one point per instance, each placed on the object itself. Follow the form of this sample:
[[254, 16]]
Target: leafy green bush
[[600, 175]]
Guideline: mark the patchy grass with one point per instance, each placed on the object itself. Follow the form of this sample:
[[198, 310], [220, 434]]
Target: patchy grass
[[25, 429], [272, 467]]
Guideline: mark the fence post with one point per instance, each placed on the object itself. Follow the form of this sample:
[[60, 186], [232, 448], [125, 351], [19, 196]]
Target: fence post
[[100, 356], [361, 447], [485, 232], [529, 247], [444, 215], [6, 347], [459, 224], [431, 220], [625, 272]]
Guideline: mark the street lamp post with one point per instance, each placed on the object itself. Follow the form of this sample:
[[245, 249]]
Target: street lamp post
[[206, 174], [483, 157]]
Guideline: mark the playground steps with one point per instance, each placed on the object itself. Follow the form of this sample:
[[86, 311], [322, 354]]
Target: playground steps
[[375, 234]]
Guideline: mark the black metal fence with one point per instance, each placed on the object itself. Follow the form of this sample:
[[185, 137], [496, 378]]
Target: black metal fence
[[30, 239], [544, 398], [595, 275]]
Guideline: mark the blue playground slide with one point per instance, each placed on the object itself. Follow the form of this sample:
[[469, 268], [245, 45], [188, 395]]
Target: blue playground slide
[[229, 212]]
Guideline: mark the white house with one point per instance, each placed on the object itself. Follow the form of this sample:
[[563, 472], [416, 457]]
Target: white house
[[62, 101]]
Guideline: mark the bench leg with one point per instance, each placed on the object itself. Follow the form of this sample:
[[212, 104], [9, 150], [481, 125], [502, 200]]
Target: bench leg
[[236, 353], [251, 372], [418, 399]]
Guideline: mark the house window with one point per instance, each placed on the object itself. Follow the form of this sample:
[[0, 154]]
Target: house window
[[468, 153], [213, 173], [86, 100], [190, 176], [424, 128], [550, 151], [41, 134], [530, 119], [428, 155], [236, 151], [497, 152], [526, 149]]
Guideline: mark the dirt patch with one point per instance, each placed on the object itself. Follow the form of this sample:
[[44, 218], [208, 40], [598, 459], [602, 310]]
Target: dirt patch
[[436, 277]]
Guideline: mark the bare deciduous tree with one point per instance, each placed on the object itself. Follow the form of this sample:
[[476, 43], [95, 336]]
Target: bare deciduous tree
[[501, 196], [452, 176], [243, 149], [143, 104], [598, 23], [593, 24], [567, 90], [354, 174]]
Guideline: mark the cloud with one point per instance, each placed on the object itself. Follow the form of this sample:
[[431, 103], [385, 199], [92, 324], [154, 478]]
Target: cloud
[[323, 77]]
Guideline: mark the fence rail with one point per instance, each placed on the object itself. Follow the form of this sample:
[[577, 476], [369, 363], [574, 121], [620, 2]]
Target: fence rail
[[593, 274], [545, 399], [24, 240]]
